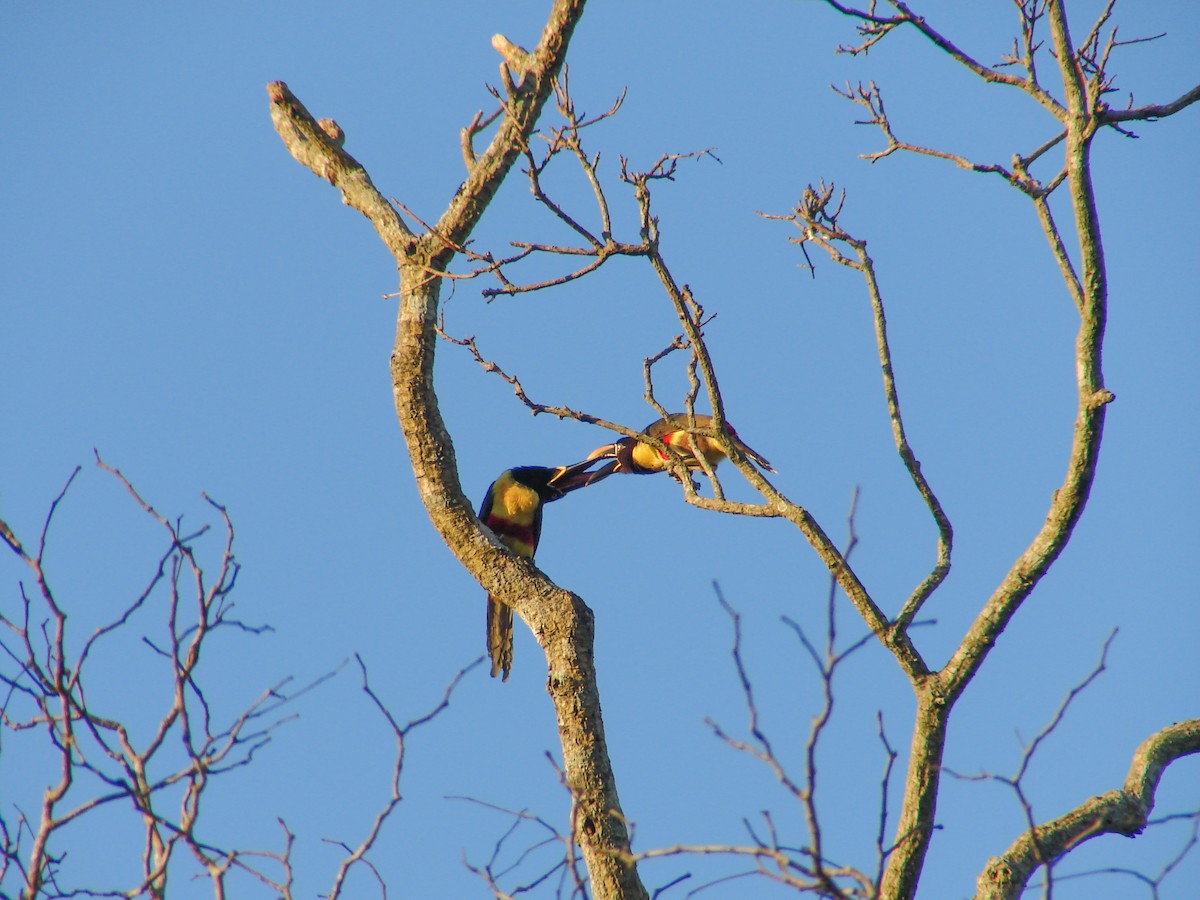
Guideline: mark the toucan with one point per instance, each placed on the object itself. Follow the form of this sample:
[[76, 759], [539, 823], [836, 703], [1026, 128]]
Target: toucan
[[632, 456], [512, 509]]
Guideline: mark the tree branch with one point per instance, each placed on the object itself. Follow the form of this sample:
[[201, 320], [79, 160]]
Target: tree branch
[[560, 620], [819, 224], [1070, 499], [1125, 811], [314, 147], [48, 691], [1081, 115], [1152, 112], [877, 27]]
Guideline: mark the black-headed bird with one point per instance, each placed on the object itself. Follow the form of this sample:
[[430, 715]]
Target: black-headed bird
[[631, 456], [512, 509]]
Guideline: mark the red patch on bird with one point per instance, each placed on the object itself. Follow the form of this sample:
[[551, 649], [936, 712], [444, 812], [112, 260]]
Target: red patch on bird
[[515, 532]]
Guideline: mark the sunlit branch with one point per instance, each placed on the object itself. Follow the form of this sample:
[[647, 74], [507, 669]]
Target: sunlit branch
[[313, 148], [1016, 781], [467, 137], [1152, 112], [871, 99], [875, 28], [819, 224], [679, 342], [566, 139], [1069, 500], [691, 316], [1154, 883], [1125, 811]]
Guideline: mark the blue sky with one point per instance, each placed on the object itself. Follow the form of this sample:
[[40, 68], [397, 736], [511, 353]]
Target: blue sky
[[181, 295]]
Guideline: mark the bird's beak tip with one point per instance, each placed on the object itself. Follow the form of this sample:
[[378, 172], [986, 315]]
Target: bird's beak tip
[[608, 451], [572, 477]]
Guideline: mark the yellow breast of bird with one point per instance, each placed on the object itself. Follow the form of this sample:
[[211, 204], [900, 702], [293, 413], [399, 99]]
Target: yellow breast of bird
[[518, 503], [682, 441], [647, 458]]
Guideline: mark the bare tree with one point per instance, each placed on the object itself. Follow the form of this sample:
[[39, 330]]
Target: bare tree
[[96, 747], [560, 619], [100, 759], [46, 682]]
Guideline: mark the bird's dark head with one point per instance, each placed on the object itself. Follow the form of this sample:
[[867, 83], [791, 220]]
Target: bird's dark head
[[620, 459], [553, 482]]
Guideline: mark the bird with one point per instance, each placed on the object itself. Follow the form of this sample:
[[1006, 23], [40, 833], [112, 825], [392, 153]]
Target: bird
[[631, 456], [512, 509]]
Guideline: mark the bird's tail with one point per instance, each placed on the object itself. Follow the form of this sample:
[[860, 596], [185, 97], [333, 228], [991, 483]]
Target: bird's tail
[[754, 455], [499, 636]]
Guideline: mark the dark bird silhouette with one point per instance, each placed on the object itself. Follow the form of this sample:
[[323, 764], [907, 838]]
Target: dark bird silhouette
[[512, 509]]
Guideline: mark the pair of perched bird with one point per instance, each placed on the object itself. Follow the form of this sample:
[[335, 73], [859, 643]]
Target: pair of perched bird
[[512, 507]]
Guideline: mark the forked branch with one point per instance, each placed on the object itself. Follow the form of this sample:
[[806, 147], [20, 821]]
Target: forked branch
[[818, 219], [1125, 811], [103, 761], [1082, 112], [560, 618]]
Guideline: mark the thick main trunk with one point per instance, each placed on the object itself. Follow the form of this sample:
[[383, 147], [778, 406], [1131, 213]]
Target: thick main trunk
[[559, 619], [914, 831]]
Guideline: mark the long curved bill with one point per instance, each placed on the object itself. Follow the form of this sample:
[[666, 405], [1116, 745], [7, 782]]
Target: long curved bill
[[577, 475]]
